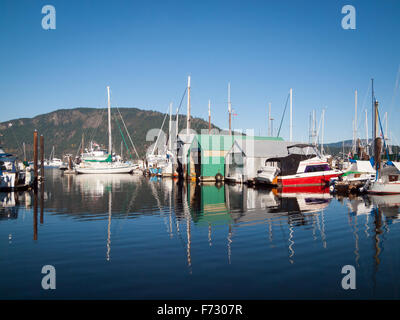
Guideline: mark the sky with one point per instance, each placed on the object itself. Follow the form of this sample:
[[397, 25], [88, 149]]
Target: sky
[[145, 50]]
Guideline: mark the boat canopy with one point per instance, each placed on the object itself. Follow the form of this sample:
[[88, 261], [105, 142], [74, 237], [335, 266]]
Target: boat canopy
[[302, 148], [288, 165], [395, 164]]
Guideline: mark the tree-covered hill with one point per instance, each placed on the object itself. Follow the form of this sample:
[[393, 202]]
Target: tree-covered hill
[[64, 128]]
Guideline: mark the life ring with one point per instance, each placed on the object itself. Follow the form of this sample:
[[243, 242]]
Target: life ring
[[219, 177]]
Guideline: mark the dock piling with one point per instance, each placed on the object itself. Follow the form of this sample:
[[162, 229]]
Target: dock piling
[[41, 157], [35, 156]]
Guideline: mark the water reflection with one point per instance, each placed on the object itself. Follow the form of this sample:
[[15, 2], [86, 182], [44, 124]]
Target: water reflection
[[291, 224]]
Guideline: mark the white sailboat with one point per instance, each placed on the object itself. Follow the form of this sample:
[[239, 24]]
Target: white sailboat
[[388, 181], [53, 162], [105, 166]]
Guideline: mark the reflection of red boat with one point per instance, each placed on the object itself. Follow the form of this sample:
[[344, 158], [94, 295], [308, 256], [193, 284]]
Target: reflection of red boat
[[309, 199], [319, 189]]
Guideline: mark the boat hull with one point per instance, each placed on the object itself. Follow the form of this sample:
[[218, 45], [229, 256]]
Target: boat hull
[[307, 179], [104, 170], [380, 188]]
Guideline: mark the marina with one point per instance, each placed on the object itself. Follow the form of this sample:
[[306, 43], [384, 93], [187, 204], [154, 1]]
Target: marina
[[136, 237], [199, 158]]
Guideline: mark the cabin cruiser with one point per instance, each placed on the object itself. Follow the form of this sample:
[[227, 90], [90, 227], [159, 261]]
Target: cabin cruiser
[[12, 173], [303, 165], [94, 154]]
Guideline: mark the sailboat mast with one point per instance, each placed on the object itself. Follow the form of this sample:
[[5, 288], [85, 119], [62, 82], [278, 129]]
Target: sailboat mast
[[24, 152], [322, 134], [291, 116], [366, 132], [229, 108], [109, 122], [355, 121], [177, 122], [188, 109], [209, 116], [169, 127], [269, 120]]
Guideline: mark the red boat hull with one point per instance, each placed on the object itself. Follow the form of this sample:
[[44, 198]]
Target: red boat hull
[[306, 180]]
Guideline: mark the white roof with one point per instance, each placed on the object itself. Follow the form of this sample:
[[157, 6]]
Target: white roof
[[262, 148]]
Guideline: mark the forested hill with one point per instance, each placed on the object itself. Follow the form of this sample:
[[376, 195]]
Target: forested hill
[[64, 128]]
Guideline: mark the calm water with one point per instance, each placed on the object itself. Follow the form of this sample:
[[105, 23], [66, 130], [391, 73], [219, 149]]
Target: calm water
[[139, 238]]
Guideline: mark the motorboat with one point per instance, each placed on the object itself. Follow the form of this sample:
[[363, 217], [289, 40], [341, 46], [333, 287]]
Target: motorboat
[[303, 166]]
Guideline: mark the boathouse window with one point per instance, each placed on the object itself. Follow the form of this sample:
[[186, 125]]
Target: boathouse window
[[317, 168]]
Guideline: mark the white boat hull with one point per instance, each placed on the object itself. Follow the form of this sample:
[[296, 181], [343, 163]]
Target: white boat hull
[[104, 169], [378, 187]]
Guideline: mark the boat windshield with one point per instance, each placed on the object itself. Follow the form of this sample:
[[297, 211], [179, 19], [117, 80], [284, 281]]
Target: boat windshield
[[317, 168], [303, 149]]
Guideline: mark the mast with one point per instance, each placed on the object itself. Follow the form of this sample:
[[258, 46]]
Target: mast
[[375, 128], [229, 108], [109, 122], [209, 116], [177, 122], [24, 152], [291, 116], [373, 116], [322, 134], [83, 143], [355, 120], [269, 120], [169, 127], [366, 132], [188, 109]]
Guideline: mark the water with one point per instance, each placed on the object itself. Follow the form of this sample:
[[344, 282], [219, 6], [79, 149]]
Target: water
[[130, 237]]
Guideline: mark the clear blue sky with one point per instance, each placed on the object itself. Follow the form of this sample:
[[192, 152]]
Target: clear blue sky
[[146, 49]]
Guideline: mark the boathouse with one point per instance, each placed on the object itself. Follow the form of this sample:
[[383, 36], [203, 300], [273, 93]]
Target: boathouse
[[247, 156], [207, 154]]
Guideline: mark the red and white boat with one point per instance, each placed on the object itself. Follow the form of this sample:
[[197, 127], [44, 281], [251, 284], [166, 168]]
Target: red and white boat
[[303, 166]]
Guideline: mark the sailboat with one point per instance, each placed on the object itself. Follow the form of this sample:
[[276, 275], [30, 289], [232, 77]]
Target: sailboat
[[107, 165], [53, 162]]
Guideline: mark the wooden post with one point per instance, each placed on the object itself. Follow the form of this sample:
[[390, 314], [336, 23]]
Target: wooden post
[[41, 157], [41, 202], [35, 214], [24, 152], [377, 155], [35, 155]]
